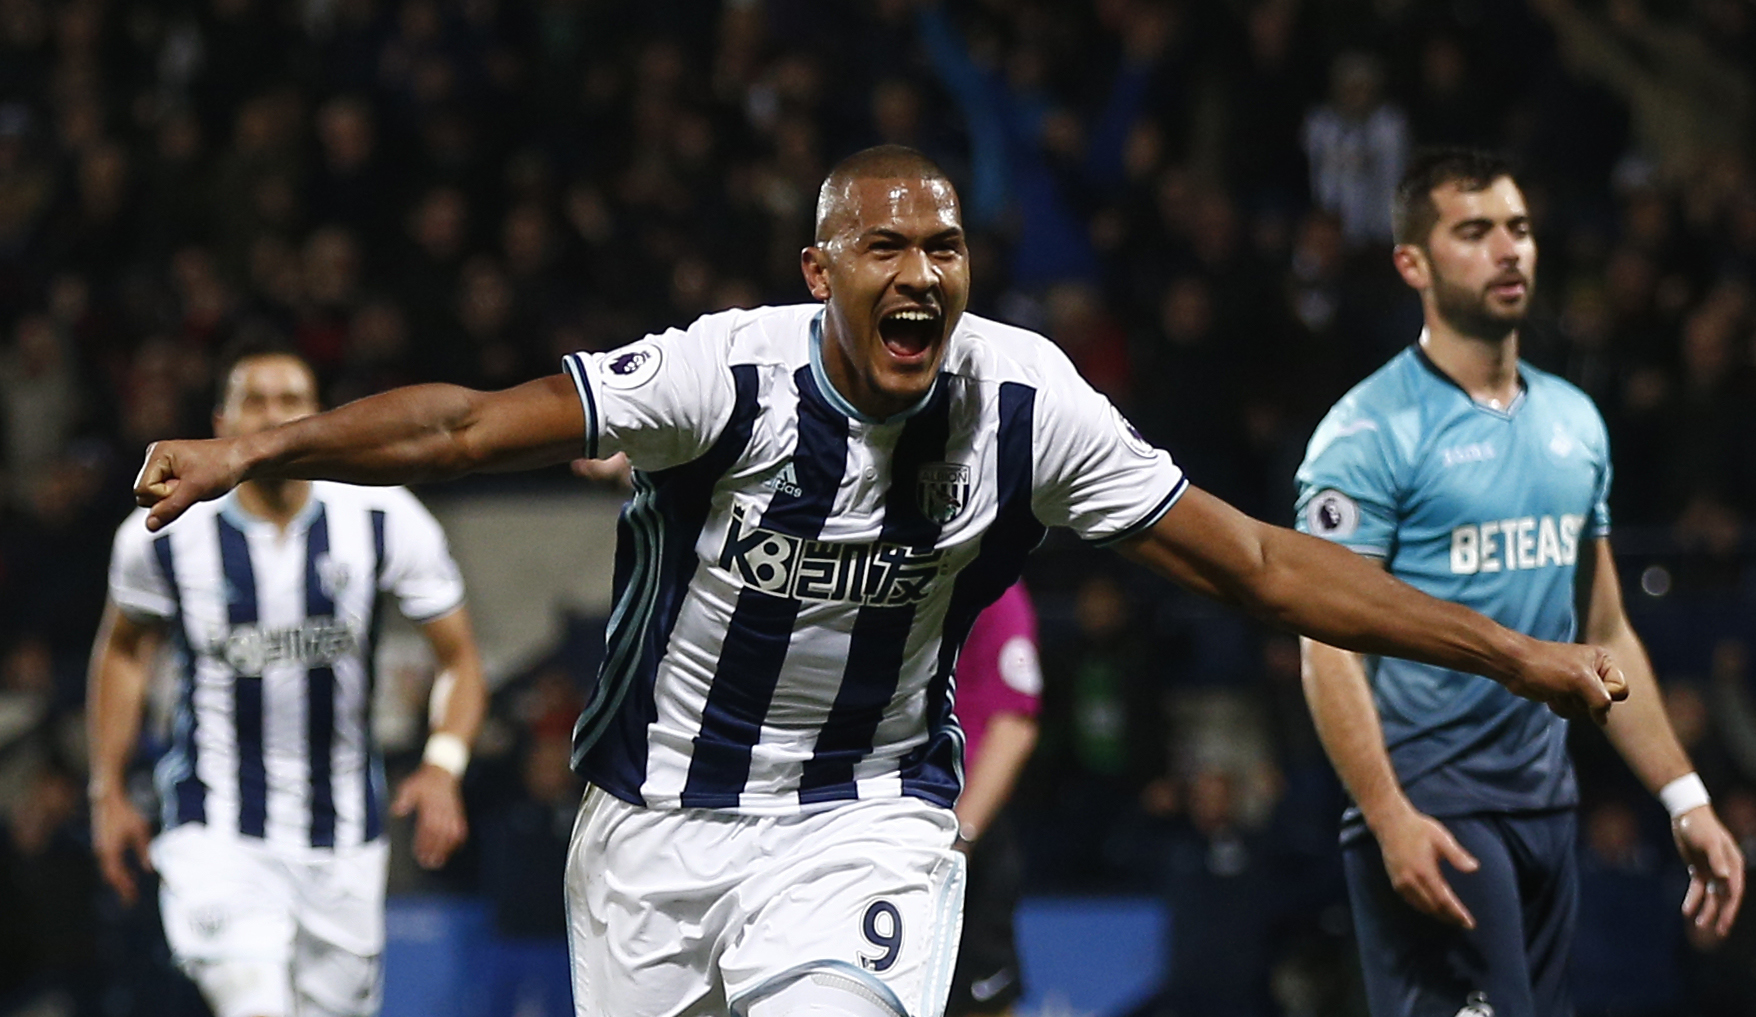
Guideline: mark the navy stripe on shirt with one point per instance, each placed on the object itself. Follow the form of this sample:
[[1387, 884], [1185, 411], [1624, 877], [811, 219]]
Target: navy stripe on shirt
[[374, 765], [187, 800], [319, 691], [241, 610], [655, 565], [934, 771], [761, 629], [750, 663], [880, 634]]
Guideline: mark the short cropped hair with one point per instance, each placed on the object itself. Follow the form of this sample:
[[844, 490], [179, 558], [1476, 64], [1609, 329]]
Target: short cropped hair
[[250, 348], [880, 162], [1413, 213]]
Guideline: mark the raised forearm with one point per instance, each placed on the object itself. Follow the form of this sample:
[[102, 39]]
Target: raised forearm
[[406, 435], [1331, 594], [1321, 590]]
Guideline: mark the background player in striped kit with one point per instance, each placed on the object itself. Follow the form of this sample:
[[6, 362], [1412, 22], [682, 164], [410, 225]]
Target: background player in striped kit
[[1480, 479], [825, 497], [999, 691], [273, 858]]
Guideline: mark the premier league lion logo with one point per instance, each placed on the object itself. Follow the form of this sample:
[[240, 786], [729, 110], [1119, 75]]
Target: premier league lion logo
[[942, 490], [628, 363], [632, 366]]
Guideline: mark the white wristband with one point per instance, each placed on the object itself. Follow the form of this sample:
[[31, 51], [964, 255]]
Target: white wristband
[[446, 751], [1685, 794]]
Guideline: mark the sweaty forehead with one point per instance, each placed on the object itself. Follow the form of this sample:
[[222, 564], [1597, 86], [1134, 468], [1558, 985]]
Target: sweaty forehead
[[905, 203]]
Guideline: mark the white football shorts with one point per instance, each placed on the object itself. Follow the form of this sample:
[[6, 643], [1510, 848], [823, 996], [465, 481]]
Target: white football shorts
[[235, 909], [695, 912]]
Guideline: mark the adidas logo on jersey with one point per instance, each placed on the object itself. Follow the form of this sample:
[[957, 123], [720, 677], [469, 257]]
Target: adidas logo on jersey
[[785, 482]]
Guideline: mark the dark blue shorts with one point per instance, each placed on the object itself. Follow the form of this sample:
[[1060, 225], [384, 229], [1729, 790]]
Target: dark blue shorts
[[1524, 899]]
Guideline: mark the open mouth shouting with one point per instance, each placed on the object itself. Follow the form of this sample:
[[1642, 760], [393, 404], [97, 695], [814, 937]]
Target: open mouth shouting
[[911, 333]]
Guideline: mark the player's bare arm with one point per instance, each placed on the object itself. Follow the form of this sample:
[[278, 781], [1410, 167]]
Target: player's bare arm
[[116, 688], [1412, 843], [1329, 593], [991, 775], [406, 435], [432, 793], [1642, 733]]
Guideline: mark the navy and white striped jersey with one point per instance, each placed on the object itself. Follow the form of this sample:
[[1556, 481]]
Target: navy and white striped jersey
[[275, 633], [793, 579]]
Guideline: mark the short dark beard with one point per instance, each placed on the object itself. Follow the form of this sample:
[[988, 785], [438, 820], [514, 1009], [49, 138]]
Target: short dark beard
[[1468, 312]]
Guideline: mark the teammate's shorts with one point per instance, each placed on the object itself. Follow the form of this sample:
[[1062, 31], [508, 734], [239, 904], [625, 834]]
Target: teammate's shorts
[[987, 978], [1524, 898], [235, 904], [680, 913]]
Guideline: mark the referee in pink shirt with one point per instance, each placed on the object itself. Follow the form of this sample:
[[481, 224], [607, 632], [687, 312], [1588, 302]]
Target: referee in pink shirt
[[999, 690]]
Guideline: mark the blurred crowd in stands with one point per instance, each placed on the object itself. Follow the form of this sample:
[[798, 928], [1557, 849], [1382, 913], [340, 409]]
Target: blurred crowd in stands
[[1191, 197]]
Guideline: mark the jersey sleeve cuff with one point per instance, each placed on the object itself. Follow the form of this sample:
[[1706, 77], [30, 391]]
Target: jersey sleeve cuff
[[143, 607], [1147, 521], [579, 369], [422, 613]]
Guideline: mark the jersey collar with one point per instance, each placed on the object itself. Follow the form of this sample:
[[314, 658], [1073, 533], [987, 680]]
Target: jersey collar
[[835, 398], [235, 513], [1420, 349]]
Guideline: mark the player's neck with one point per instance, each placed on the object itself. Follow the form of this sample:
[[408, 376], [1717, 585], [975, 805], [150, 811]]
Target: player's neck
[[1485, 368], [277, 501]]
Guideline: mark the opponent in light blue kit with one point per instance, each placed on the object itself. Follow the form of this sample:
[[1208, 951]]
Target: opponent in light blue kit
[[1478, 479], [825, 497], [1485, 507]]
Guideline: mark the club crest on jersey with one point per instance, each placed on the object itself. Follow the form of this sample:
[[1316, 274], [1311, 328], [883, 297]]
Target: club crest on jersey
[[332, 575], [942, 491], [631, 366]]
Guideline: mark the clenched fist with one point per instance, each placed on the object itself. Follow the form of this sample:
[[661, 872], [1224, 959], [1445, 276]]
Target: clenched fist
[[177, 474], [1574, 680]]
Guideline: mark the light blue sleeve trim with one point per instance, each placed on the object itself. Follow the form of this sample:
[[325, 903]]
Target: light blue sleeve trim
[[575, 366], [1149, 520]]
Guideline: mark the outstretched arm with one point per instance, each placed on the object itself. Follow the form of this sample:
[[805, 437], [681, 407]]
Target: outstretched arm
[[405, 435], [1329, 593], [1642, 733]]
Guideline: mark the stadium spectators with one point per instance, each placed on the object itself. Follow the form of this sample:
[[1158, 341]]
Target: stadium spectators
[[461, 190]]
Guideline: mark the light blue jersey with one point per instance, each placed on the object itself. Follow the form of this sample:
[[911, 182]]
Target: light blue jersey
[[1485, 507]]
